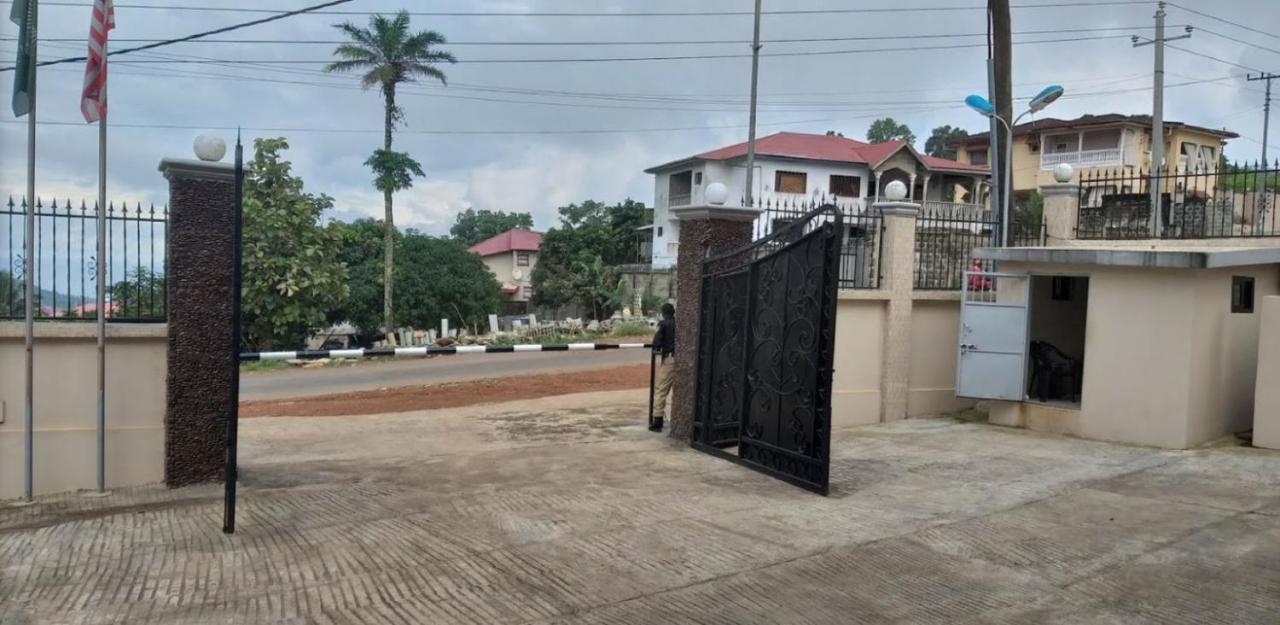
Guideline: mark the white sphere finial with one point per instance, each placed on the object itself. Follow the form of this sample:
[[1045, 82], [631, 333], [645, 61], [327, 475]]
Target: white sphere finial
[[716, 193], [895, 191], [210, 148], [1062, 173]]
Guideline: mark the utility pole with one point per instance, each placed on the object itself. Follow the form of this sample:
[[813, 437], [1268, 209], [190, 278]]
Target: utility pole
[[751, 129], [1266, 110], [1002, 98], [1157, 116]]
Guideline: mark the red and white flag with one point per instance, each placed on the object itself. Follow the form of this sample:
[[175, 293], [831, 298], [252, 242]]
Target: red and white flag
[[93, 102]]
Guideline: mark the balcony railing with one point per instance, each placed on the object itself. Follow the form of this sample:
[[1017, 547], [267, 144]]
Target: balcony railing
[[1082, 158], [938, 207], [680, 199]]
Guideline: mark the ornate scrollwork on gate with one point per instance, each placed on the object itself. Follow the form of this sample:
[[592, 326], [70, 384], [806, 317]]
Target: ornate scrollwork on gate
[[765, 363]]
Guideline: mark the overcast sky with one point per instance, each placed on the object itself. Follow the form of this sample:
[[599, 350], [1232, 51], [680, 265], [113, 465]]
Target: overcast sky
[[647, 112]]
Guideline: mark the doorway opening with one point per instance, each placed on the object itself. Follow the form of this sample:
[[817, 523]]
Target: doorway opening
[[1056, 332]]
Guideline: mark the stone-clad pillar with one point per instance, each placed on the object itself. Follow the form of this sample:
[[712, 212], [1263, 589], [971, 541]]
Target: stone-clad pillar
[[897, 259], [704, 231], [1061, 209], [198, 278]]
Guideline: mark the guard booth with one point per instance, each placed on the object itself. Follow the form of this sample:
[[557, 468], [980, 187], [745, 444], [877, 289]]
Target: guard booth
[[1150, 347]]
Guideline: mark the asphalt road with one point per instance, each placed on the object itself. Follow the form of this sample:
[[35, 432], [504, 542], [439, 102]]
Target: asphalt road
[[299, 382]]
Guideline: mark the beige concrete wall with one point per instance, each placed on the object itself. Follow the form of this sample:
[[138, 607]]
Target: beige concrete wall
[[66, 406], [1224, 357], [861, 317], [859, 361], [1266, 405], [501, 265], [935, 335]]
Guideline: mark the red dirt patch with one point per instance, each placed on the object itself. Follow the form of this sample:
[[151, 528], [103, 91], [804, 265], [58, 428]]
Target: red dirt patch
[[452, 394]]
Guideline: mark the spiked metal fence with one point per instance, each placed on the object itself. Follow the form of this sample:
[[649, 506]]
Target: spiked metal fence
[[860, 247], [1196, 203], [945, 240], [65, 261]]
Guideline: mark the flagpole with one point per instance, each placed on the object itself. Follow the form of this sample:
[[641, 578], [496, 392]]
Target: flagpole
[[28, 261], [102, 298]]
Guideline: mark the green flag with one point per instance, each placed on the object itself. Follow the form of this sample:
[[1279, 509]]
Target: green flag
[[24, 15]]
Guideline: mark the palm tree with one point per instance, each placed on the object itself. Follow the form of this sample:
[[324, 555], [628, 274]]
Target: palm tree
[[388, 54]]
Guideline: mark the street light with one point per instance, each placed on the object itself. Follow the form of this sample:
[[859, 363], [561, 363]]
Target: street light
[[1047, 96]]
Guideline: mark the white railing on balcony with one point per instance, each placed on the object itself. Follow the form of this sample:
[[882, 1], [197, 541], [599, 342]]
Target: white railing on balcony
[[1083, 158], [680, 199], [954, 208]]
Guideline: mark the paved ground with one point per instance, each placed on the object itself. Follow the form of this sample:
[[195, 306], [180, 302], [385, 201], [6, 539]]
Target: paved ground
[[396, 373], [564, 510]]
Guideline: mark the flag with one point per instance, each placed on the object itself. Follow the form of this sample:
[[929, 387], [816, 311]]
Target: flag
[[93, 102], [23, 14]]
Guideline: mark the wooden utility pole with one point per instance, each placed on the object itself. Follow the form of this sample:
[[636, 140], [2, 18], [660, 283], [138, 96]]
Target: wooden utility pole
[[1002, 56]]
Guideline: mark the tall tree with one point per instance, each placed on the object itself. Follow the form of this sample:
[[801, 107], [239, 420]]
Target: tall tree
[[473, 226], [389, 54], [944, 141], [887, 129], [291, 277]]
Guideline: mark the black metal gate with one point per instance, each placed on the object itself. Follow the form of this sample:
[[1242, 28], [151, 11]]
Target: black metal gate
[[767, 333]]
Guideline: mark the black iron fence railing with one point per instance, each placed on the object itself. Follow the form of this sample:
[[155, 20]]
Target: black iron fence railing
[[945, 240], [65, 261], [862, 237], [1027, 233], [1195, 203]]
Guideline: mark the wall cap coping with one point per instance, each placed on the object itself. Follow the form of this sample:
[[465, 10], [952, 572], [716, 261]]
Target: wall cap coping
[[919, 295], [84, 330], [717, 212], [905, 209], [1170, 258], [191, 169], [1068, 188]]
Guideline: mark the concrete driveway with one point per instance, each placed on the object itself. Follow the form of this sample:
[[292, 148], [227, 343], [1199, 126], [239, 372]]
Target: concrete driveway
[[565, 510]]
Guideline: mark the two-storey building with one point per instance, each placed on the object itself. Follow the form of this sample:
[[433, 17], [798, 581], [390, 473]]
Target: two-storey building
[[1097, 142], [800, 166], [511, 256]]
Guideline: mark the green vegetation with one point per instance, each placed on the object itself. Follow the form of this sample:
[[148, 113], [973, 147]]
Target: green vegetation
[[577, 258], [631, 328], [388, 54], [1239, 178], [886, 129], [140, 294], [291, 277], [942, 143], [473, 226]]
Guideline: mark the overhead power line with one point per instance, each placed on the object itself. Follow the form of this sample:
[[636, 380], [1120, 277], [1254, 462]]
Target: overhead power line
[[618, 14], [682, 42], [1223, 20], [207, 33], [1237, 40], [680, 57]]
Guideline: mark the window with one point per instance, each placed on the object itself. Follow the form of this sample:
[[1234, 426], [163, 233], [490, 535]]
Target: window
[[522, 259], [790, 182], [659, 230], [697, 177], [978, 157], [846, 186], [1241, 294]]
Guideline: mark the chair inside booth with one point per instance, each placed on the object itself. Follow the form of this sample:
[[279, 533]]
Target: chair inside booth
[[1055, 354]]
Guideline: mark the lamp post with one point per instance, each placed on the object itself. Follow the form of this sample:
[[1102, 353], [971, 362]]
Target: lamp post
[[1047, 96]]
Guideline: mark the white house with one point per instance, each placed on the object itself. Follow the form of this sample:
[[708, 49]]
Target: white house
[[796, 166]]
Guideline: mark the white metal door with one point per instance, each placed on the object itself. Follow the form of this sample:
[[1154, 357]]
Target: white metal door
[[993, 336]]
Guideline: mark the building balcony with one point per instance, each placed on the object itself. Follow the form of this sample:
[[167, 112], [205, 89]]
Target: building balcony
[[954, 208], [1082, 158], [679, 199]]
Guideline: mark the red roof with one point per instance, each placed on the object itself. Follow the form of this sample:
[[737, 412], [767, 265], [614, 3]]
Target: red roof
[[824, 148], [512, 240]]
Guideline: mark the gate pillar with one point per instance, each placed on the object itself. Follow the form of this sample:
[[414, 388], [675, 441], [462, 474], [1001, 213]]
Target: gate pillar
[[1061, 206], [898, 266], [199, 275], [705, 231]]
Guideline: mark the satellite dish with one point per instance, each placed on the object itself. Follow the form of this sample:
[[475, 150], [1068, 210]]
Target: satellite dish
[[518, 274]]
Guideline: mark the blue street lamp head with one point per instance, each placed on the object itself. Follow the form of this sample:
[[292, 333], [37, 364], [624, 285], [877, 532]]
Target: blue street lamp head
[[1047, 96], [980, 104]]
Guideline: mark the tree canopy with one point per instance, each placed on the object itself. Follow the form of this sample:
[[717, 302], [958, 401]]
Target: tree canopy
[[291, 277], [944, 140], [438, 279], [473, 226], [887, 129], [577, 261]]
